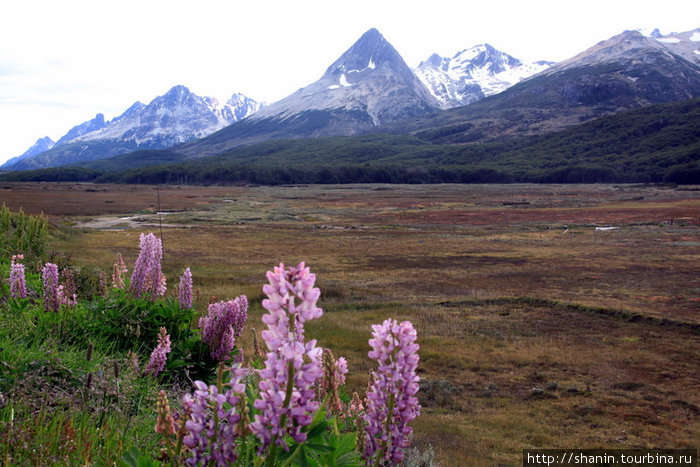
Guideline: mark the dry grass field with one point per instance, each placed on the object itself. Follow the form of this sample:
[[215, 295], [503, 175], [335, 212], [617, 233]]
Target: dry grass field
[[538, 327]]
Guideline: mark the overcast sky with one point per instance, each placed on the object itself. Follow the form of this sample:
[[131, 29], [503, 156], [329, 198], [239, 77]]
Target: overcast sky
[[62, 62]]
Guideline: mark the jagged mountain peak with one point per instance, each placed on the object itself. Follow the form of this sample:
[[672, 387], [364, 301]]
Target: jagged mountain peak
[[84, 128], [177, 91], [369, 80], [473, 73], [368, 52], [177, 95], [175, 117], [485, 55]]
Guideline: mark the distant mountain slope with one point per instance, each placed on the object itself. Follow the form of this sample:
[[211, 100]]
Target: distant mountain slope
[[41, 145], [173, 118], [473, 73], [368, 85], [652, 144], [624, 72]]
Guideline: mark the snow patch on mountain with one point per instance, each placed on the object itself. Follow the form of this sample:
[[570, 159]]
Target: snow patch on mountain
[[686, 44], [367, 85], [472, 74]]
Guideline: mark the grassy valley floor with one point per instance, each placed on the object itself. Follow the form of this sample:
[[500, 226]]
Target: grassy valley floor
[[548, 315]]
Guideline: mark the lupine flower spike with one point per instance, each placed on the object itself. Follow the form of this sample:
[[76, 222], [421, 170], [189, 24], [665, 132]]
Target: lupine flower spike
[[18, 284], [222, 326], [49, 277], [147, 279], [185, 290], [165, 424], [66, 291], [330, 382], [118, 271], [211, 428], [356, 408], [391, 401], [287, 408], [159, 356], [341, 370]]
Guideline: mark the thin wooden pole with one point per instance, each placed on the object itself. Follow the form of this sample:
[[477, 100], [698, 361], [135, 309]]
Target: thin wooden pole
[[160, 220]]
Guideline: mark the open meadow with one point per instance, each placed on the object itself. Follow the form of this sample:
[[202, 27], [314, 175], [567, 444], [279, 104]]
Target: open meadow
[[548, 316]]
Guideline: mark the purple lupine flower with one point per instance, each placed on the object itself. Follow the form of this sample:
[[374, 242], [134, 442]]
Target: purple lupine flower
[[159, 356], [286, 410], [185, 290], [49, 276], [147, 279], [117, 272], [18, 284], [392, 392], [223, 324], [207, 440]]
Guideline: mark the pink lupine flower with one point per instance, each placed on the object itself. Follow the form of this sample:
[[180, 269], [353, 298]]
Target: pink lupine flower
[[286, 410], [159, 356], [162, 286], [341, 370], [18, 284], [355, 408], [49, 276], [185, 290], [118, 271], [147, 279], [391, 401], [330, 383], [66, 291], [65, 298], [223, 324]]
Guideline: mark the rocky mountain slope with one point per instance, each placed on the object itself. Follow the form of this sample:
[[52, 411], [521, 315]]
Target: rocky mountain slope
[[173, 118]]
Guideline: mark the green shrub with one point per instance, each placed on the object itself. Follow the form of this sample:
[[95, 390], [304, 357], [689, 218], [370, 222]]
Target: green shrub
[[127, 323]]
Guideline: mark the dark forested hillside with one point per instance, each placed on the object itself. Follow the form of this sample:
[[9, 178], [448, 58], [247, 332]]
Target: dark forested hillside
[[659, 143]]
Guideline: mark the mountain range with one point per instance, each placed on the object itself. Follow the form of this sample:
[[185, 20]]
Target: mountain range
[[479, 94], [624, 72], [173, 118]]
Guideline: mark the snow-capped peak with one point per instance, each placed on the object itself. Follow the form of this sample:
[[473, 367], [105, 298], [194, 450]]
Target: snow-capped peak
[[175, 117], [473, 73], [368, 84]]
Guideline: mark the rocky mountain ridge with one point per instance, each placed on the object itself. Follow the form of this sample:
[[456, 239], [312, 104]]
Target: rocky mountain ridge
[[173, 118]]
